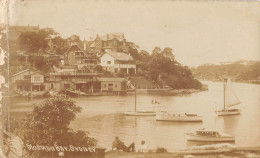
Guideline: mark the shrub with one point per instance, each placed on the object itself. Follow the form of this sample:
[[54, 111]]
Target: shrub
[[161, 150]]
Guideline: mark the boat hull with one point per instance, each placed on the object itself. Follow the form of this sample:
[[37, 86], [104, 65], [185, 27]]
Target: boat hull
[[194, 137], [228, 112], [178, 117], [140, 113]]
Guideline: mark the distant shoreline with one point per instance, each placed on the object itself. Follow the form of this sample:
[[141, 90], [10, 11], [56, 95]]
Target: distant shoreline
[[248, 82]]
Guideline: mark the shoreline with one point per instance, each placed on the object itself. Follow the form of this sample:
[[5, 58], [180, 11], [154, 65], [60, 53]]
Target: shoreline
[[239, 152], [166, 92]]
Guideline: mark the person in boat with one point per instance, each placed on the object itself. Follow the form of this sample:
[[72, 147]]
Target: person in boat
[[144, 147], [119, 145]]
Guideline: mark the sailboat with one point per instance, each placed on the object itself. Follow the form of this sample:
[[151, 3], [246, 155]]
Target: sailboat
[[230, 100], [139, 112]]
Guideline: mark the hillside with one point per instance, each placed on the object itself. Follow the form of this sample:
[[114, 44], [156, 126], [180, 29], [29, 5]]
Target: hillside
[[244, 71], [159, 67], [163, 70]]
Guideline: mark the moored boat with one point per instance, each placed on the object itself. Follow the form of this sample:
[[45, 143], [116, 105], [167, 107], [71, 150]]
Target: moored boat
[[139, 112], [204, 135], [167, 116], [229, 112], [230, 100]]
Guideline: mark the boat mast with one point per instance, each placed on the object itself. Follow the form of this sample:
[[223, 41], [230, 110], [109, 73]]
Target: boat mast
[[135, 99], [224, 94]]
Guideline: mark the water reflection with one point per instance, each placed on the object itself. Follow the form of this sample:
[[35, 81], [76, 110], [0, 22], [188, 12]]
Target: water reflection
[[103, 117], [194, 143]]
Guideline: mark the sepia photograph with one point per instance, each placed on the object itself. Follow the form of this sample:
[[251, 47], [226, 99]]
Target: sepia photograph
[[129, 79]]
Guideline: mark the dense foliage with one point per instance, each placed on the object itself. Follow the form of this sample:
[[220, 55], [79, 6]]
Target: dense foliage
[[33, 42], [43, 64], [162, 68], [238, 70], [48, 124]]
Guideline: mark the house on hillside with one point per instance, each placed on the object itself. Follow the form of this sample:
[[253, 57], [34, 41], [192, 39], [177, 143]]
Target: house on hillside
[[112, 42], [29, 80], [75, 56], [113, 85], [116, 61]]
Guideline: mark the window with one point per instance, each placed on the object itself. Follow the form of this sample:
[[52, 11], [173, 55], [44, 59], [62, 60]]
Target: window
[[115, 85], [110, 85], [105, 85], [37, 78], [108, 62], [26, 77]]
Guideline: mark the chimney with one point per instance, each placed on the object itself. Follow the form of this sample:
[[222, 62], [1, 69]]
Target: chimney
[[107, 36]]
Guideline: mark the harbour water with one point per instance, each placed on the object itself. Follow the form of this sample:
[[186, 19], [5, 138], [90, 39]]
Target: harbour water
[[103, 117]]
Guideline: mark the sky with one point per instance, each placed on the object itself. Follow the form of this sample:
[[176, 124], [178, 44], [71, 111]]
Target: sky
[[199, 32]]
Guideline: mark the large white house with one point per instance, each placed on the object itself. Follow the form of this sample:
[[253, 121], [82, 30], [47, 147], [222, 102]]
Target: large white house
[[116, 61]]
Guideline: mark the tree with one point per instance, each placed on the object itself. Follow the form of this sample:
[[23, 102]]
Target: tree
[[156, 51], [168, 52], [144, 56], [61, 44], [48, 124], [48, 31], [134, 53], [74, 38], [32, 41]]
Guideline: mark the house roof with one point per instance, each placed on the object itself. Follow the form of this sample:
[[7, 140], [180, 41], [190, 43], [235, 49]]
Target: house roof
[[75, 47], [31, 72], [20, 72], [120, 56], [80, 66], [111, 79], [56, 69], [110, 36]]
